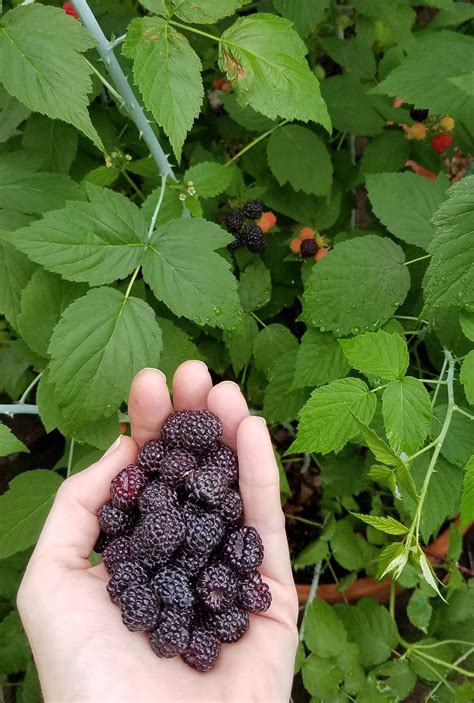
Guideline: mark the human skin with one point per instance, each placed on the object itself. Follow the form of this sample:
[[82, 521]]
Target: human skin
[[83, 652]]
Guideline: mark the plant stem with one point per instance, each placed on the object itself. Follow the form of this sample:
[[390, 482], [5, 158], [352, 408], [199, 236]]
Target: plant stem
[[440, 677], [463, 412], [304, 520], [441, 374], [132, 184], [193, 30], [419, 258], [255, 141], [311, 595], [19, 409], [457, 661], [258, 319], [156, 211], [30, 387], [378, 388], [134, 109], [432, 645], [442, 662], [69, 458], [131, 282], [392, 599]]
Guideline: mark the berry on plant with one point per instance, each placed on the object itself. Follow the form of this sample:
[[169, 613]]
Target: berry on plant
[[295, 245], [173, 587], [203, 649], [243, 550], [447, 123], [231, 624], [441, 142], [418, 114], [253, 594], [234, 221], [113, 521], [321, 253], [151, 455], [306, 233], [266, 221], [416, 131], [127, 486], [252, 209], [308, 248], [217, 587], [139, 606], [253, 237], [70, 10], [236, 244]]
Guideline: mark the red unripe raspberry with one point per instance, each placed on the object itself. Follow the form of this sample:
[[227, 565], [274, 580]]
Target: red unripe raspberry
[[267, 221], [70, 10], [295, 245], [218, 83], [320, 254], [307, 233], [441, 142]]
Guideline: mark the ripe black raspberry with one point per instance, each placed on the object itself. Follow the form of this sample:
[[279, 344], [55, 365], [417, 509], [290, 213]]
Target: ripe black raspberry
[[253, 209], [102, 541], [253, 594], [158, 498], [236, 244], [308, 248], [171, 635], [231, 507], [243, 550], [234, 221], [253, 238], [217, 587], [139, 607], [418, 115], [173, 588], [230, 625], [176, 466], [125, 575], [203, 531], [162, 534], [208, 487], [195, 431], [191, 562], [115, 522], [140, 551], [127, 486], [203, 649], [116, 552], [222, 458], [151, 454]]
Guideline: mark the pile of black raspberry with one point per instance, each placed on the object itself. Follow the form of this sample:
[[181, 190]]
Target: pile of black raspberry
[[182, 565]]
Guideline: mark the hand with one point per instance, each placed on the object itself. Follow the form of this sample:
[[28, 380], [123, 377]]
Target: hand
[[82, 650]]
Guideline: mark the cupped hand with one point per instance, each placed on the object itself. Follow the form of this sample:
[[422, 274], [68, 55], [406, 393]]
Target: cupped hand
[[81, 648]]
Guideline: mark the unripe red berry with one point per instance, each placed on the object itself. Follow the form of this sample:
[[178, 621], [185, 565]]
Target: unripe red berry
[[441, 142]]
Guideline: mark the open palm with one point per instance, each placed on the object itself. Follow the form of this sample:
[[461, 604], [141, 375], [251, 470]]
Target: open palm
[[82, 650]]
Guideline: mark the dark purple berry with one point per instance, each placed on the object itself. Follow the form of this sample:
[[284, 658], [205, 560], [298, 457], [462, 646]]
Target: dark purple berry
[[207, 486], [203, 649], [234, 221], [217, 587], [116, 552], [176, 467], [418, 114], [203, 531], [222, 458], [253, 594], [115, 522], [139, 606], [231, 508], [102, 541], [140, 551], [253, 209], [308, 248], [231, 624], [151, 454], [173, 587], [162, 534], [127, 486], [253, 238], [191, 562], [171, 635], [195, 431], [243, 550], [124, 575], [236, 244], [158, 498]]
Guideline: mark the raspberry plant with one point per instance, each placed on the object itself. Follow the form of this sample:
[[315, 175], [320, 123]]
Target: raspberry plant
[[128, 134]]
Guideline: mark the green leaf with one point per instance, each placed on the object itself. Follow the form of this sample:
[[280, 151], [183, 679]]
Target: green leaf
[[467, 501], [350, 108], [327, 420], [265, 59], [44, 299], [100, 343], [458, 444], [405, 204], [467, 323], [270, 344], [365, 281], [281, 403], [12, 114], [246, 117], [157, 6], [378, 447], [344, 475], [297, 156], [354, 55], [205, 11], [396, 678], [171, 206], [240, 342], [168, 73], [255, 286], [320, 676], [14, 650], [377, 353], [24, 507], [31, 689], [177, 347], [386, 152], [209, 178], [24, 190], [305, 14], [319, 360], [371, 627], [55, 143], [345, 547], [15, 272], [41, 64], [186, 274], [407, 413], [467, 376], [9, 444], [324, 633], [106, 243], [385, 524], [311, 554], [449, 280], [428, 572], [392, 560], [419, 610]]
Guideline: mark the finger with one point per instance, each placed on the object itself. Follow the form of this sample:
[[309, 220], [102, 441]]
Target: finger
[[227, 402], [72, 528], [260, 489], [191, 385], [149, 405]]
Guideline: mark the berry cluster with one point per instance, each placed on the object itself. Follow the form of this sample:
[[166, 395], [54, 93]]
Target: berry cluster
[[423, 123], [182, 566], [308, 243], [247, 234]]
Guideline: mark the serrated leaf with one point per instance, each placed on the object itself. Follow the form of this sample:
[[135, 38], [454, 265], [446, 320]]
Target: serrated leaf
[[319, 360], [209, 178], [377, 353], [106, 243], [102, 340], [311, 554], [396, 679], [449, 280], [168, 73], [177, 347], [320, 676], [270, 344], [385, 153], [371, 627], [324, 633], [345, 547], [9, 444], [405, 204], [255, 286], [466, 376], [467, 501], [467, 323], [385, 524], [458, 444], [407, 413], [350, 108], [419, 610], [246, 116], [428, 573], [157, 6], [24, 507], [354, 55], [265, 59], [305, 14], [15, 272], [186, 274], [41, 64], [14, 650], [12, 114], [392, 560], [364, 279], [239, 343], [281, 403], [44, 299], [53, 140], [297, 156], [327, 420], [205, 11], [378, 447]]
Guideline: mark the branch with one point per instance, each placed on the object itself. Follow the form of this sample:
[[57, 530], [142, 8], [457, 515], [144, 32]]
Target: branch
[[134, 109]]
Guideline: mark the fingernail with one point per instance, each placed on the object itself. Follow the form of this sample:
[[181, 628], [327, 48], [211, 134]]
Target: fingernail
[[230, 383], [262, 419], [150, 368], [198, 361], [114, 446]]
